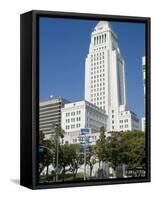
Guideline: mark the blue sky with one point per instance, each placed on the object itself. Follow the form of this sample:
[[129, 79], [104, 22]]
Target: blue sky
[[64, 45]]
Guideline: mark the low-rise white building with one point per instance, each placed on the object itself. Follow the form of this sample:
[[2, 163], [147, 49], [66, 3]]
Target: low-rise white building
[[81, 114], [128, 121]]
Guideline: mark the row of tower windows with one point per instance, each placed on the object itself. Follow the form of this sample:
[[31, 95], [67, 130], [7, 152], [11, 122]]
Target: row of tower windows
[[97, 94], [97, 85], [96, 55], [96, 81], [97, 99], [97, 69], [95, 72], [97, 63], [97, 58], [98, 49], [98, 76], [100, 39], [98, 89], [93, 96], [99, 104]]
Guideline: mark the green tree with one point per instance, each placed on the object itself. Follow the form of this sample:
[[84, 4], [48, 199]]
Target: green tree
[[51, 149], [70, 159], [134, 154], [101, 146], [126, 148], [115, 149], [65, 158], [77, 159], [46, 155]]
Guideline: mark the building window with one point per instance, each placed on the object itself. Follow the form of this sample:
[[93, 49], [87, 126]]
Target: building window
[[78, 119], [72, 119], [78, 112], [67, 120], [72, 126], [67, 127], [78, 125], [72, 113], [67, 114]]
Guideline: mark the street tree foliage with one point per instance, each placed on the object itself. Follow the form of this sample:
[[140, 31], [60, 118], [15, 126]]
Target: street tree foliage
[[77, 160], [117, 149], [70, 159], [45, 155], [101, 147], [49, 149], [126, 148]]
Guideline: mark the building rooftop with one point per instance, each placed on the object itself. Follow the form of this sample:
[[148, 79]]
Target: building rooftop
[[83, 102], [104, 26], [54, 100]]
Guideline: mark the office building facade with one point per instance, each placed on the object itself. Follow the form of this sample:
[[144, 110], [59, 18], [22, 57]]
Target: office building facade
[[82, 114], [50, 115]]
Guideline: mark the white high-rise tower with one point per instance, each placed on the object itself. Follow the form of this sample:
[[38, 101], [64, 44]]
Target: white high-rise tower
[[105, 78]]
